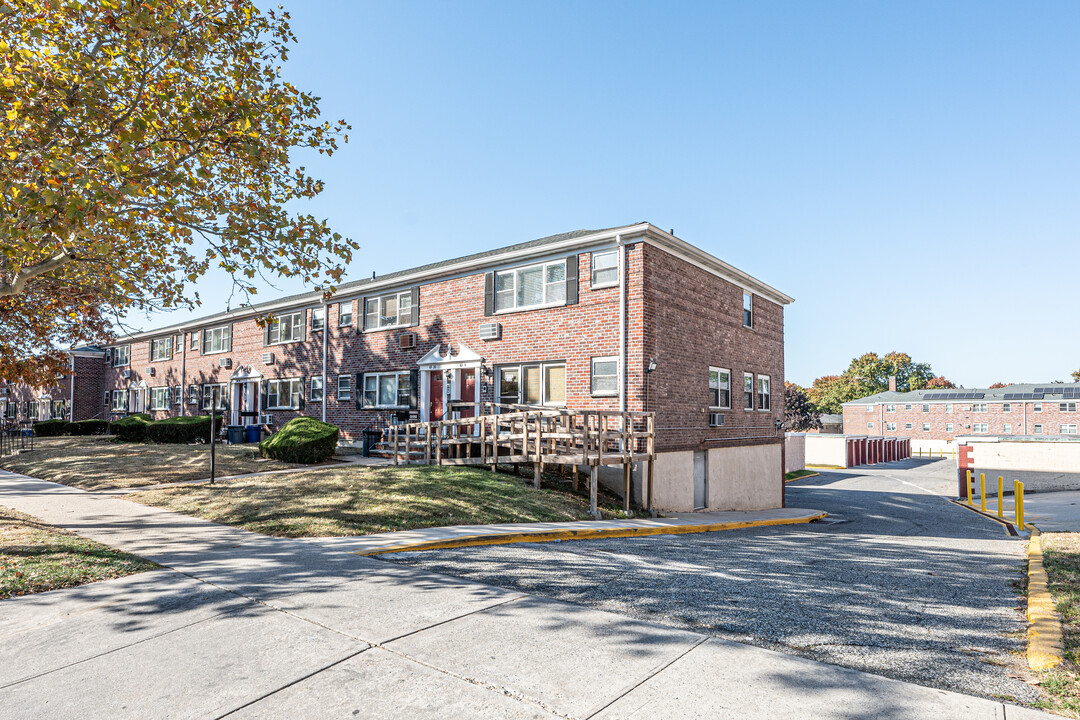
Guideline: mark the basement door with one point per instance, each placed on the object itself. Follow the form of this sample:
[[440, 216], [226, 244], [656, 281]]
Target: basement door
[[701, 479]]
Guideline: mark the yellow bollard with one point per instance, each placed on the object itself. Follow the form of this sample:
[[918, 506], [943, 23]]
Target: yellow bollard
[[982, 491], [1018, 501], [969, 486], [1001, 497], [941, 453]]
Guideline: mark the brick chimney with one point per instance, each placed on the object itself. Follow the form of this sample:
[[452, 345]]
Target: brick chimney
[[892, 383]]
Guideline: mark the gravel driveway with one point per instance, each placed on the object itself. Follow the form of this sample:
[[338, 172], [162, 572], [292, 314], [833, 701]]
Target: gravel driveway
[[897, 582]]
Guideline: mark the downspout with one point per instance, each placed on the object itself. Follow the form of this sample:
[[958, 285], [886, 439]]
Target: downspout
[[622, 322], [325, 343], [71, 390], [184, 342]]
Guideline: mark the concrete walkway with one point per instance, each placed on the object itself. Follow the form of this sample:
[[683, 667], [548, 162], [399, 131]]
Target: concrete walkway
[[455, 536], [243, 625]]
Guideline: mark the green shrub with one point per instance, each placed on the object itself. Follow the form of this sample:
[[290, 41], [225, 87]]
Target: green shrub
[[132, 428], [51, 428], [301, 440], [188, 429], [89, 427]]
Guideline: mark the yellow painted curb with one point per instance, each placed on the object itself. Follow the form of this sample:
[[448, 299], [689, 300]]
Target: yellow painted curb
[[1045, 646], [584, 534], [802, 477]]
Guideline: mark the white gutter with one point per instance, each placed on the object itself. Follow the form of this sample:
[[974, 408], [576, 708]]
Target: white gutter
[[622, 322], [325, 341]]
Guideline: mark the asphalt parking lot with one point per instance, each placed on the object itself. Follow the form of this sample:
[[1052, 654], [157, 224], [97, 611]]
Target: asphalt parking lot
[[898, 581]]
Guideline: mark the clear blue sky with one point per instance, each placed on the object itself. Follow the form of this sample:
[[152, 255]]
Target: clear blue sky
[[908, 172]]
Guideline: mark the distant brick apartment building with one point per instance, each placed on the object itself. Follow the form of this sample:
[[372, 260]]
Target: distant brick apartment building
[[1025, 410], [572, 320], [78, 400]]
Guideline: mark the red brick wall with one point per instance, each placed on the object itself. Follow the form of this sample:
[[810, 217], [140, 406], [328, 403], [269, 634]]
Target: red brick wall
[[962, 418]]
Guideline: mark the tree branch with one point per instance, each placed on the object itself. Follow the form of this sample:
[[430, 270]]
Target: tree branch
[[15, 286]]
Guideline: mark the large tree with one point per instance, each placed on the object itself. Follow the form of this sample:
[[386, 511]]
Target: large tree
[[799, 413], [869, 374], [144, 142]]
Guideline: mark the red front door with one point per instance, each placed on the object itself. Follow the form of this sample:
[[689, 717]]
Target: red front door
[[468, 392], [435, 395]]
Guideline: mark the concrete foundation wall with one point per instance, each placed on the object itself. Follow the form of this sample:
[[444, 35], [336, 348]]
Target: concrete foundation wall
[[794, 452], [1042, 466], [932, 447], [826, 450], [673, 481], [745, 478]]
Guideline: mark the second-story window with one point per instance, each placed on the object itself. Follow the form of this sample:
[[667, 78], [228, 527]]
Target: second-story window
[[318, 318], [217, 339], [719, 388], [388, 311], [764, 392], [285, 328], [531, 286], [121, 356], [344, 314], [605, 269], [161, 349], [747, 310], [748, 391]]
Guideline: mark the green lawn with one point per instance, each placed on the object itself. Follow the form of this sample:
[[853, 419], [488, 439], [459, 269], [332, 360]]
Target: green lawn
[[1061, 556], [35, 557], [359, 500], [796, 474]]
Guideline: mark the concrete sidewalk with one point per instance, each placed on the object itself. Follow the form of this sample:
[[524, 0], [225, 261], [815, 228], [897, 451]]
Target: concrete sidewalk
[[454, 536], [249, 626]]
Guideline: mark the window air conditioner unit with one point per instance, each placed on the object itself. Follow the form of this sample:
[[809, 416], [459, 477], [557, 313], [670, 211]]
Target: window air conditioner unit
[[125, 374], [225, 362], [268, 358], [150, 371], [266, 420], [490, 331], [716, 419], [407, 341]]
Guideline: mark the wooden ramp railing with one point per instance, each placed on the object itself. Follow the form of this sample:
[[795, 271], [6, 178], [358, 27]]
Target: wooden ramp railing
[[519, 434]]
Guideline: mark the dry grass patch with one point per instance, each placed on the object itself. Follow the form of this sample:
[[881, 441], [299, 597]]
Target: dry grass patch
[[97, 463], [35, 557], [1061, 556], [358, 500]]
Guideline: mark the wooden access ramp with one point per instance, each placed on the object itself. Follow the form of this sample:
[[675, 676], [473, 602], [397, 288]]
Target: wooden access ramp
[[543, 437]]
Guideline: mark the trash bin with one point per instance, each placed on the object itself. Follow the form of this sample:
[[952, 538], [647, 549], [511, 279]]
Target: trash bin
[[236, 434], [253, 433], [371, 439]]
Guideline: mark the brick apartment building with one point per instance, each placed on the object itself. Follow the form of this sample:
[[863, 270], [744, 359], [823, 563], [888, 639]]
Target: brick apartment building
[[573, 320], [78, 400], [942, 415]]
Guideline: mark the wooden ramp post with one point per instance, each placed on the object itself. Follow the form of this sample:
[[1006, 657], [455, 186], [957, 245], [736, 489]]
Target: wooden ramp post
[[593, 482]]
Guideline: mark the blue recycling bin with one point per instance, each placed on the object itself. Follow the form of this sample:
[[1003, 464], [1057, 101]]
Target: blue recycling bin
[[253, 433], [236, 434]]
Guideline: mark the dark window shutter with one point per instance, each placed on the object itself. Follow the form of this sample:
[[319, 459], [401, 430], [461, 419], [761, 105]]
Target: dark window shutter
[[303, 392], [362, 324], [232, 332], [489, 293], [264, 388], [572, 280], [415, 307], [359, 390], [303, 324], [414, 389], [266, 333]]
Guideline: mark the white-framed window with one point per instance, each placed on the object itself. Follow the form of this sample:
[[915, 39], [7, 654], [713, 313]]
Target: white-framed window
[[747, 310], [1067, 407], [214, 396], [121, 400], [719, 388], [1006, 407], [388, 311], [1007, 429], [194, 340], [907, 426], [316, 390], [177, 396], [908, 406], [890, 408], [605, 269], [1038, 428], [284, 394], [387, 390], [344, 387], [890, 426], [161, 349], [948, 427], [285, 328], [978, 407], [926, 408], [193, 394], [869, 408], [926, 427], [108, 397], [764, 392], [217, 340], [531, 286], [1068, 429], [1038, 407], [318, 318], [533, 384], [121, 356], [869, 426], [748, 390], [605, 377], [344, 318], [980, 427], [948, 407], [159, 398]]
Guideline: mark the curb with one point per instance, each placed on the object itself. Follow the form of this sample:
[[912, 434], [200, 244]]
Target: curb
[[801, 477], [1010, 527], [1045, 647], [587, 534]]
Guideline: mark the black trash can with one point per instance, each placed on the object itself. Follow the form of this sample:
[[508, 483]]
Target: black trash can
[[371, 439], [253, 433], [236, 434]]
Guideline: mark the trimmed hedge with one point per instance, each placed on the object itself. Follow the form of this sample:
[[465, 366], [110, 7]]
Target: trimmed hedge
[[132, 428], [302, 440], [88, 427], [51, 428], [188, 429]]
